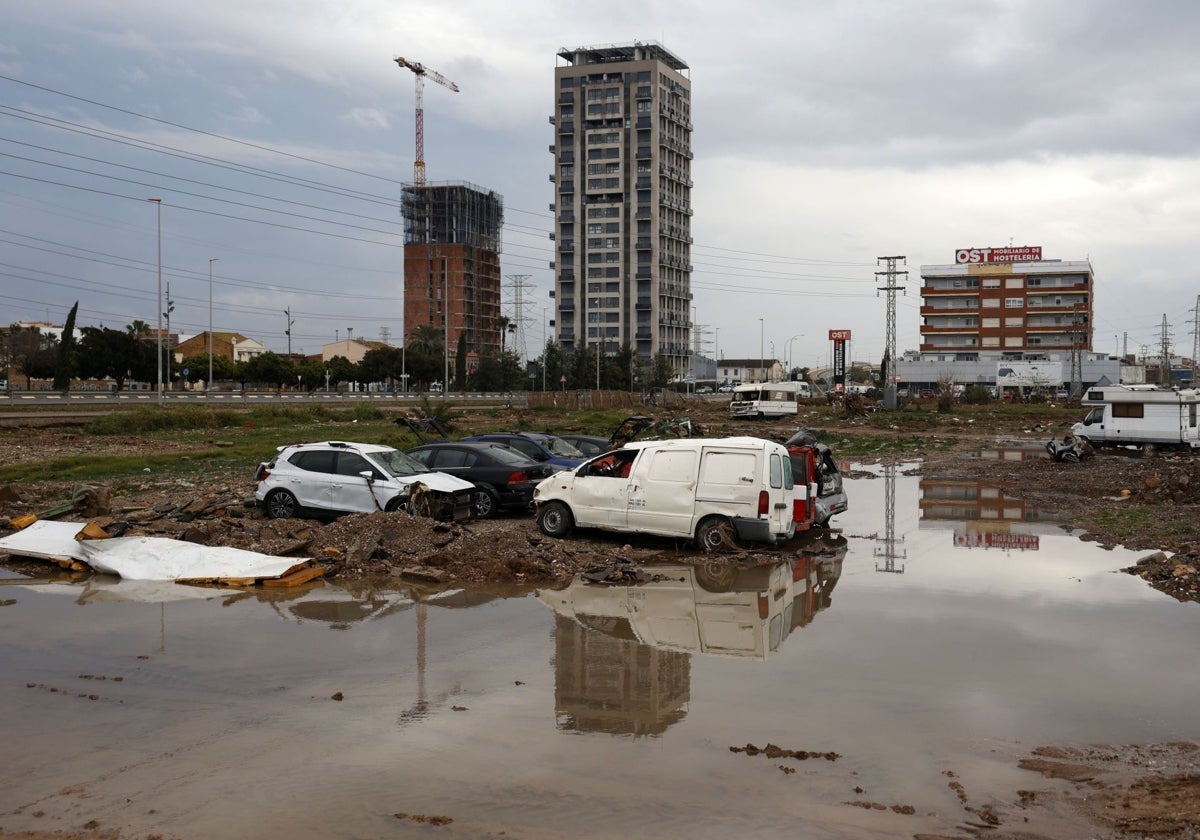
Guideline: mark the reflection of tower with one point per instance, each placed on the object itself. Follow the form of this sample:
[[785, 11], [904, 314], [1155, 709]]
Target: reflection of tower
[[888, 550], [605, 680]]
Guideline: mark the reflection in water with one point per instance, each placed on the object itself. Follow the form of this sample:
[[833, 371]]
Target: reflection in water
[[622, 652], [981, 515], [1011, 453], [888, 550]]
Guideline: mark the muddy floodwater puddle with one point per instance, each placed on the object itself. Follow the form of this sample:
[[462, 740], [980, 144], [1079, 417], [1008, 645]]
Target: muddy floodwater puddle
[[949, 629]]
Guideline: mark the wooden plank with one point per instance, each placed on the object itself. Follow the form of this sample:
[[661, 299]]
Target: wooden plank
[[296, 578]]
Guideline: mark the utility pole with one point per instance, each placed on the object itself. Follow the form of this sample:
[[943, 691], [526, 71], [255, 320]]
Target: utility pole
[[158, 213], [1077, 343], [167, 314], [889, 552], [1195, 339], [1164, 370], [211, 260], [518, 323], [288, 332], [891, 285]]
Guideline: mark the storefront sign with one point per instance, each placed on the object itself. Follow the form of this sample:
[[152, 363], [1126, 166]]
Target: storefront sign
[[1021, 253]]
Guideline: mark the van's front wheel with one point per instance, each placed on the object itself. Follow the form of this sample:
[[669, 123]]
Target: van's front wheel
[[555, 520], [715, 534]]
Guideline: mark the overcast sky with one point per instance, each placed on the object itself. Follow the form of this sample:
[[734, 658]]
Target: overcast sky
[[825, 135]]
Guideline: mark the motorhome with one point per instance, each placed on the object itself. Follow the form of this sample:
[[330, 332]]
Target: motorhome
[[1140, 415], [716, 491], [768, 399]]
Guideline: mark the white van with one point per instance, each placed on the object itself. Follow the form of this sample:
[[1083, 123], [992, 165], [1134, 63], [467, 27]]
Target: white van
[[768, 399], [1140, 414], [710, 490]]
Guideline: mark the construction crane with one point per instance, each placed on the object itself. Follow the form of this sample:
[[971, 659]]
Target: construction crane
[[421, 72]]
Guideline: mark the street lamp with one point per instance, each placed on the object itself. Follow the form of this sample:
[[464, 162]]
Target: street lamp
[[791, 357], [762, 375], [158, 205], [211, 260]]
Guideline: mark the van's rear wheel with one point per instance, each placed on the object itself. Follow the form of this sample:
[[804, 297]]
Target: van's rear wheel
[[715, 534], [716, 576], [555, 519]]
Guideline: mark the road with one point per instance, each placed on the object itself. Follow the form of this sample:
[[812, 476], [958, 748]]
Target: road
[[17, 399]]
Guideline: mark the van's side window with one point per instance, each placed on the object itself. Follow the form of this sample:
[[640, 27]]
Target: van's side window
[[776, 472]]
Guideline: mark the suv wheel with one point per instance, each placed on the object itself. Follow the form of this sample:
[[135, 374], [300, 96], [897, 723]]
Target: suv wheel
[[281, 504], [554, 519]]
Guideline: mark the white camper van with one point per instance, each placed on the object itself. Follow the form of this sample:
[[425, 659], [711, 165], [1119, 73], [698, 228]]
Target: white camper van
[[710, 490], [1140, 414], [768, 399]]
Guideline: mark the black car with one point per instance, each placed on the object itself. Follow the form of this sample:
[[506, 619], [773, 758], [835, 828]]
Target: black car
[[589, 445], [504, 478]]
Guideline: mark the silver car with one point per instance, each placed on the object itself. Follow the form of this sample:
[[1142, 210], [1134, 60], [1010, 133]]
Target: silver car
[[340, 477]]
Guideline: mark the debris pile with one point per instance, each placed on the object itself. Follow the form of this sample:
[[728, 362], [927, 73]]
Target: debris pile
[[1177, 576]]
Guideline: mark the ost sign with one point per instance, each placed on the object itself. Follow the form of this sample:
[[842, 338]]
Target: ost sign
[[1023, 253], [839, 335]]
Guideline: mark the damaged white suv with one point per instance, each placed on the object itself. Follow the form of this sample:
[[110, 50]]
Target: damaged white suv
[[338, 477]]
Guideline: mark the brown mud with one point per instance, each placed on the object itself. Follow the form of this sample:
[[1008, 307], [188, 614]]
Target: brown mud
[[1146, 502]]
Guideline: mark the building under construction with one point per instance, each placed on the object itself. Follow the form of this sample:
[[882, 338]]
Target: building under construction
[[452, 265]]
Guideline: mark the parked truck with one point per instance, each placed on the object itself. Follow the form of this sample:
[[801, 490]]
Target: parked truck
[[1140, 415]]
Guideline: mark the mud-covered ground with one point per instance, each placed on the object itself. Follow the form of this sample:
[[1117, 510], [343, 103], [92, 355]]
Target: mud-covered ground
[[1143, 502], [1147, 502]]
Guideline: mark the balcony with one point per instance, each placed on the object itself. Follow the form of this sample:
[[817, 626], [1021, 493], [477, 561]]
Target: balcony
[[643, 303]]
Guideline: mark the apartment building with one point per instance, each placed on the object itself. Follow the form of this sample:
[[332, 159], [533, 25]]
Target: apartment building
[[1005, 300], [452, 239], [993, 307], [622, 202]]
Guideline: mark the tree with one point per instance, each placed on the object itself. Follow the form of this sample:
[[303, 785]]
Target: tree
[[382, 364], [270, 369], [488, 375], [507, 328], [341, 370], [64, 365], [196, 365], [427, 339], [460, 365], [661, 371], [311, 374], [112, 354], [31, 352], [554, 362]]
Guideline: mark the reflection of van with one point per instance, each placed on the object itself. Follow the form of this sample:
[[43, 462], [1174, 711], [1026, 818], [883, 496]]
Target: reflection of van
[[730, 610], [768, 399], [712, 490], [1140, 414]]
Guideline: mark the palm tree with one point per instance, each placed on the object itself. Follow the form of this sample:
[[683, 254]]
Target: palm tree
[[427, 339], [505, 324]]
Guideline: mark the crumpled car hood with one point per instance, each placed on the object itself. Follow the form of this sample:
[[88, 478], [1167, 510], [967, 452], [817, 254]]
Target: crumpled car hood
[[442, 482]]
